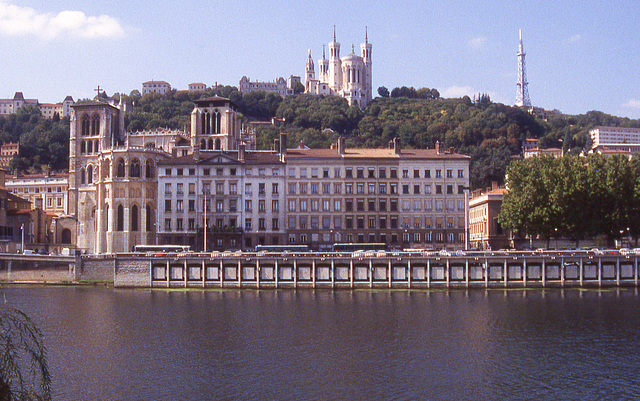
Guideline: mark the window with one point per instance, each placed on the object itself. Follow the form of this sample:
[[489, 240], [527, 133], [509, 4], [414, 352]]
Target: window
[[167, 189], [179, 205], [275, 205], [206, 171], [450, 205], [372, 173], [178, 224], [371, 188], [372, 205], [120, 169], [427, 173], [220, 188], [360, 172], [261, 206], [337, 188], [233, 188], [382, 189], [167, 205], [303, 172], [383, 222], [439, 205], [405, 205], [314, 222], [232, 171], [360, 205], [416, 189], [438, 173], [303, 205], [348, 188], [167, 224], [337, 205], [167, 171], [274, 188], [460, 173], [394, 205], [416, 173], [314, 188], [449, 173], [348, 222], [337, 222], [303, 222], [394, 222], [382, 173], [261, 189], [247, 205], [233, 205], [427, 189], [405, 173], [438, 189], [219, 205], [360, 222], [326, 222], [405, 189], [325, 173], [314, 173], [192, 224], [120, 219], [393, 173], [192, 205], [348, 204], [179, 188], [348, 173], [393, 189], [449, 189], [326, 188], [428, 205], [314, 205], [192, 188], [460, 189], [179, 171], [292, 223], [292, 172], [219, 171], [372, 222], [274, 224], [326, 205], [461, 205], [383, 205], [261, 225], [303, 188], [247, 189], [336, 173], [360, 188], [292, 188], [247, 224]]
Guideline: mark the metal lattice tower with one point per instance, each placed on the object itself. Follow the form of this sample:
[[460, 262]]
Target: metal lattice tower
[[522, 96]]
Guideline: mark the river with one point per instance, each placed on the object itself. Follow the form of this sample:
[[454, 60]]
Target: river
[[113, 344]]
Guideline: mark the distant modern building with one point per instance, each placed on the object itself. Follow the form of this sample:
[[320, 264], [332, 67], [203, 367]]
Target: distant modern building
[[621, 139], [348, 77], [279, 86], [530, 149], [11, 106], [484, 230], [197, 87], [160, 87]]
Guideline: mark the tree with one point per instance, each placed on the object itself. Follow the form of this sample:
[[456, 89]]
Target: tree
[[298, 88], [22, 343], [383, 91]]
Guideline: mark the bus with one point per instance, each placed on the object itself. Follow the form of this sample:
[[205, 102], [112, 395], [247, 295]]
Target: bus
[[352, 247], [161, 249], [282, 248]]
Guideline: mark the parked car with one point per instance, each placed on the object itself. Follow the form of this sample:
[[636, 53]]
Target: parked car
[[29, 252]]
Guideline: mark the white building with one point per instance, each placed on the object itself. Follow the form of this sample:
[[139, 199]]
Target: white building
[[197, 87], [348, 77], [160, 87], [278, 86], [11, 106], [48, 191], [616, 139]]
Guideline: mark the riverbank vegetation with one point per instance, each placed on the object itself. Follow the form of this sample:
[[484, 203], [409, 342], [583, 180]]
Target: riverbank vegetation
[[573, 197]]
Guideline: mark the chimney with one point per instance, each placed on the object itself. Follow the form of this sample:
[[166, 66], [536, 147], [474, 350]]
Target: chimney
[[494, 185], [241, 150], [341, 145], [196, 153], [276, 145], [396, 146], [283, 143], [437, 147], [174, 152]]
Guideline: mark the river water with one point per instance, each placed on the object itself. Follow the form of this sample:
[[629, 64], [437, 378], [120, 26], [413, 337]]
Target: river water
[[112, 344]]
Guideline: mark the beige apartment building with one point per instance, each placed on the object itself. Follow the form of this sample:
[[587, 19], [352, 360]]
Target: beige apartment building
[[407, 198], [47, 191], [485, 231]]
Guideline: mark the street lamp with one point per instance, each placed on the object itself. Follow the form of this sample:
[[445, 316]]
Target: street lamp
[[22, 232]]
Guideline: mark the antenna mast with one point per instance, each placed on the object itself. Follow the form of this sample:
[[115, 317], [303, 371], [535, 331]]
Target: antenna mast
[[522, 95]]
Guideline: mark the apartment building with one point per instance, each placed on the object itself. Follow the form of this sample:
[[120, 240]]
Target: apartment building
[[403, 197], [238, 193], [47, 191]]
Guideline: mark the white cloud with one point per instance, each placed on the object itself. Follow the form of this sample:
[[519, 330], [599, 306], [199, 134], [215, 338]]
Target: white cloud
[[18, 21], [574, 39], [632, 104], [477, 43]]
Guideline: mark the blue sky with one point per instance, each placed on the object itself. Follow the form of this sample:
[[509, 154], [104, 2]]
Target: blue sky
[[581, 55]]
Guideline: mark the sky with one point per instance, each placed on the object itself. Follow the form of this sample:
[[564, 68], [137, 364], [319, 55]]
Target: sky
[[580, 55]]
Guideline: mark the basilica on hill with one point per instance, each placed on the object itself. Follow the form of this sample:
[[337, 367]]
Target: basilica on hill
[[348, 77]]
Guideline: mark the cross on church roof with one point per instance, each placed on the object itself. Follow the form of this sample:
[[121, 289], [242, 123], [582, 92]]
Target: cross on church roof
[[99, 90]]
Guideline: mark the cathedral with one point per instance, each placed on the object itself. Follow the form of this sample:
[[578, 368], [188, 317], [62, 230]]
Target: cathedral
[[348, 77], [113, 184]]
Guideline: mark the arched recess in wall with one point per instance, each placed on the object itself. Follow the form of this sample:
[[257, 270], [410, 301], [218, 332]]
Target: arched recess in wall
[[95, 125], [149, 218], [134, 218], [120, 219], [66, 236], [120, 172], [90, 174], [86, 124], [134, 168], [148, 169]]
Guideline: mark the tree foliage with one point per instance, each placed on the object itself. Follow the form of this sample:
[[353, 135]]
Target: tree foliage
[[24, 373], [573, 197]]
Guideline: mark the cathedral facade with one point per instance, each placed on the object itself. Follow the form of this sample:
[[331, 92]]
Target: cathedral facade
[[348, 77]]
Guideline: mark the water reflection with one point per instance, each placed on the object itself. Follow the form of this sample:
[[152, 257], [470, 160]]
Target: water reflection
[[108, 344]]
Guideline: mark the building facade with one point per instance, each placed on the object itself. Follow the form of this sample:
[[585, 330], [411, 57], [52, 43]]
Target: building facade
[[278, 86], [47, 191], [403, 197], [484, 230], [197, 87], [7, 152], [348, 77], [11, 106], [618, 139], [161, 87]]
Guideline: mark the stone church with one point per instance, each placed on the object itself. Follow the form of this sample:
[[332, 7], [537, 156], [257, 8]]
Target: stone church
[[348, 77], [113, 186]]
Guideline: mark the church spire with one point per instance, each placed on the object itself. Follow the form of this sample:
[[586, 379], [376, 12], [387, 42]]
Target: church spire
[[334, 33], [366, 34]]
